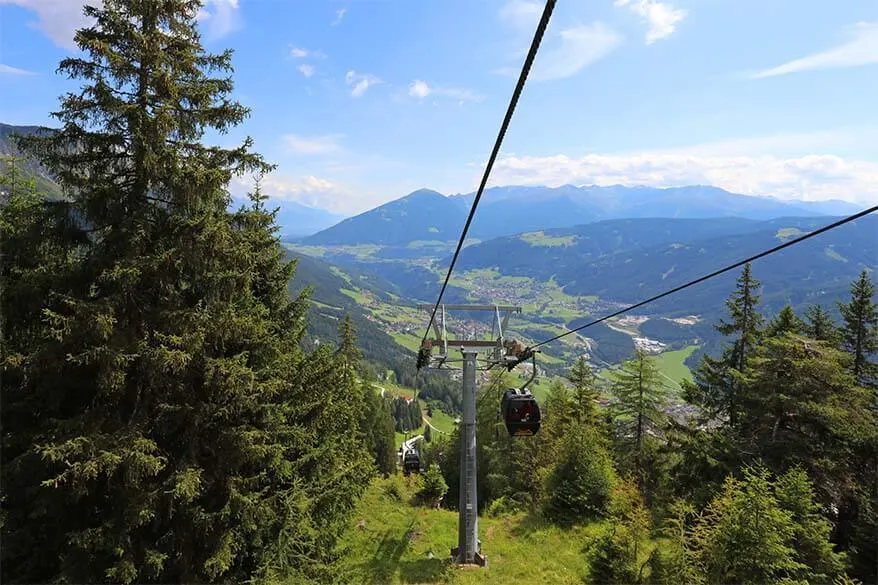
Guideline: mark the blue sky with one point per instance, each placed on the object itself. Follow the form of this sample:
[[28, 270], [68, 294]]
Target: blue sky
[[362, 101]]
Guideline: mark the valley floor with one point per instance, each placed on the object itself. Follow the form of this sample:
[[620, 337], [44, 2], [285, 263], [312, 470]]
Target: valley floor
[[391, 541]]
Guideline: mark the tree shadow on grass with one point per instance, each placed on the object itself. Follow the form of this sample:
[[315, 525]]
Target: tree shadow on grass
[[386, 560], [424, 570]]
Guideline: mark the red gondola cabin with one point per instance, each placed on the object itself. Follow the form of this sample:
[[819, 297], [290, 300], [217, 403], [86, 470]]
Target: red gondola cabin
[[521, 413]]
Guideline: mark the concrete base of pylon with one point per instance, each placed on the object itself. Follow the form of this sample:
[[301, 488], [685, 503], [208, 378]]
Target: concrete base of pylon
[[479, 560]]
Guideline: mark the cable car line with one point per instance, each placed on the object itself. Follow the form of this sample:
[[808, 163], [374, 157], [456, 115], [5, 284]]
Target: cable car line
[[762, 254], [510, 110]]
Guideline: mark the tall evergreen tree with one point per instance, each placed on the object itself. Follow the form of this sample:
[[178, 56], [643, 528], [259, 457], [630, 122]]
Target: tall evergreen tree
[[377, 428], [585, 392], [819, 325], [744, 321], [639, 394], [860, 328], [347, 351], [716, 382], [164, 426]]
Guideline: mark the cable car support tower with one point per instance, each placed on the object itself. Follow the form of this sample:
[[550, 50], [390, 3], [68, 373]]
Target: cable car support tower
[[468, 550]]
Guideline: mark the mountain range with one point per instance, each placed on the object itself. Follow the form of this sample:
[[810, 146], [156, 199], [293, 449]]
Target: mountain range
[[428, 216], [632, 259]]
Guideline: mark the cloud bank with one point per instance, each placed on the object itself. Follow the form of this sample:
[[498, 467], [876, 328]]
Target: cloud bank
[[812, 177]]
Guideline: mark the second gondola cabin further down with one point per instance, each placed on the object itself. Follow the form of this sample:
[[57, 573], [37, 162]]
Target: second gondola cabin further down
[[521, 413]]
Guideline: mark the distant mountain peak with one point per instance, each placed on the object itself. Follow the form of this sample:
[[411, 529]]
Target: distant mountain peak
[[424, 193]]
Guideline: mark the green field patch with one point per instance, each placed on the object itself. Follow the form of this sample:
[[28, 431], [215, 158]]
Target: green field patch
[[552, 360], [787, 233], [418, 244], [409, 341], [361, 250], [313, 251], [340, 273], [830, 252], [358, 296], [671, 365], [541, 239], [441, 420], [323, 305]]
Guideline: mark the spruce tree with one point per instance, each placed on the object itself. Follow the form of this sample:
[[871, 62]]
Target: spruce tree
[[860, 328], [377, 429], [176, 432], [716, 384], [744, 321], [819, 325], [639, 396], [786, 321], [348, 352], [585, 392]]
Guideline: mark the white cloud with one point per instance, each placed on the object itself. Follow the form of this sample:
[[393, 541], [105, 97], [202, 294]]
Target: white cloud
[[809, 177], [360, 82], [60, 19], [339, 15], [306, 70], [313, 145], [860, 49], [302, 53], [521, 14], [421, 89], [578, 47], [661, 17], [562, 54], [8, 70], [57, 19], [312, 191], [219, 18]]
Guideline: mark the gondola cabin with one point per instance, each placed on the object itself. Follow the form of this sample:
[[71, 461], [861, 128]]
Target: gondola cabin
[[521, 413], [411, 461]]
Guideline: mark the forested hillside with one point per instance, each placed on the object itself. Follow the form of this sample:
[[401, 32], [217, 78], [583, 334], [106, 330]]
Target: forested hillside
[[381, 354]]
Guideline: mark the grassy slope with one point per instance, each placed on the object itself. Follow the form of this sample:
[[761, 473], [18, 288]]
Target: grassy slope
[[398, 540], [671, 364]]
